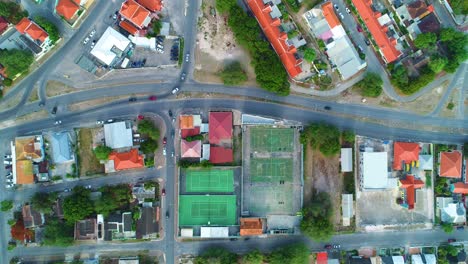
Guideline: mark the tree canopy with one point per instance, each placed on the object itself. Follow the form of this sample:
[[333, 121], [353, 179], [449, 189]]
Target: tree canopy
[[253, 257], [49, 27], [58, 233], [348, 136], [113, 198], [12, 12], [224, 6], [292, 254], [233, 74], [316, 222], [323, 137], [425, 40], [102, 152], [371, 85], [437, 63], [78, 205], [16, 61], [6, 205], [217, 255], [147, 127], [309, 54], [456, 43], [43, 202], [149, 146], [459, 7]]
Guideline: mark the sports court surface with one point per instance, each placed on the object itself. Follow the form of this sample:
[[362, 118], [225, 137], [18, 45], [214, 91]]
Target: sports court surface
[[271, 199], [271, 169], [207, 209], [268, 139], [209, 181]]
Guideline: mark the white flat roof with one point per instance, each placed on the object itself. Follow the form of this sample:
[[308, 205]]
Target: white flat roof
[[186, 232], [346, 159], [214, 231], [107, 46], [118, 135], [374, 170], [343, 54]]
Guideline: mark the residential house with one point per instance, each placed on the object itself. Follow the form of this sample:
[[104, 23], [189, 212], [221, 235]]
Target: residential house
[[417, 18], [31, 217], [4, 24], [405, 153], [135, 17], [190, 149], [86, 229], [459, 188], [148, 224], [41, 171], [460, 258], [251, 226], [423, 259], [124, 161], [454, 213], [270, 24], [119, 226], [392, 260], [68, 9], [346, 159], [26, 150], [142, 193], [111, 49], [379, 29], [220, 127], [118, 135], [347, 208], [152, 5], [62, 150], [450, 164], [220, 155], [190, 125], [33, 36], [409, 185]]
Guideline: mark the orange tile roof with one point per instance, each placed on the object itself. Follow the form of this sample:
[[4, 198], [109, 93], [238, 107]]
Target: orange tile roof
[[251, 226], [27, 148], [127, 160], [277, 38], [67, 8], [329, 14], [134, 12], [386, 45], [24, 172], [129, 27], [322, 258], [404, 152], [190, 149], [186, 122], [151, 5], [460, 187], [411, 184], [26, 26], [450, 164]]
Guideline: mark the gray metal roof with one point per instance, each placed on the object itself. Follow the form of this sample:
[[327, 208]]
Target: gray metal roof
[[61, 147]]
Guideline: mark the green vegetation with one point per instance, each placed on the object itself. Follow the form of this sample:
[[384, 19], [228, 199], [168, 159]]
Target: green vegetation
[[316, 222], [428, 179], [348, 183], [157, 25], [181, 51], [253, 257], [456, 43], [7, 82], [425, 40], [323, 137], [11, 222], [194, 138], [224, 6], [293, 254], [216, 255], [43, 202], [58, 233], [149, 146], [447, 227], [409, 85], [233, 74], [6, 205], [78, 205], [188, 164], [459, 7], [49, 27], [450, 106], [309, 54], [12, 12], [441, 187], [113, 198], [437, 63], [269, 70], [102, 152], [348, 136], [371, 85], [16, 61], [294, 5], [11, 246], [444, 251], [147, 127], [56, 178]]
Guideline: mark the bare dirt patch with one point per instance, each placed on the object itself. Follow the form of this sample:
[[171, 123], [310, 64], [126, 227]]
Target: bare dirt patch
[[216, 47], [87, 160], [452, 102], [5, 105], [55, 88], [34, 96]]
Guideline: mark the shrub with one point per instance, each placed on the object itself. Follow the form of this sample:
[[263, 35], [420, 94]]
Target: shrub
[[102, 152], [371, 85], [7, 82], [233, 74]]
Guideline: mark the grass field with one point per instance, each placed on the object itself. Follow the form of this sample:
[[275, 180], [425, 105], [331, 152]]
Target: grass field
[[207, 209], [271, 170], [88, 163], [264, 139], [211, 180]]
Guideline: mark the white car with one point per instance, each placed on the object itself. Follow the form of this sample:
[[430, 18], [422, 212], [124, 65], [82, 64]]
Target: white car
[[93, 43], [7, 162], [160, 46], [164, 151], [187, 57], [175, 90], [182, 77], [92, 33], [88, 187], [110, 120], [99, 122], [7, 156], [160, 50], [58, 122], [341, 15], [336, 6], [172, 154], [86, 40], [347, 10], [9, 185]]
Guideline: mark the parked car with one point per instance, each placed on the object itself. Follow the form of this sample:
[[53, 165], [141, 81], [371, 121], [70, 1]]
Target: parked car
[[367, 42], [170, 113], [337, 246], [164, 140], [110, 120], [187, 57], [348, 11], [7, 156], [336, 7], [233, 239], [159, 46], [164, 151], [67, 190], [114, 16], [9, 185], [93, 43], [160, 50], [132, 99], [460, 228], [341, 15], [88, 187], [99, 122], [152, 98], [58, 122], [86, 40], [328, 247], [182, 77], [7, 167], [54, 110], [172, 132], [451, 240], [327, 107], [163, 192], [175, 90], [359, 28], [167, 214], [172, 154], [7, 162], [92, 33]]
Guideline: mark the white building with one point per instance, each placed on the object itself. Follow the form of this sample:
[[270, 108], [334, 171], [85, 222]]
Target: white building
[[346, 159], [111, 47], [374, 170], [214, 232], [347, 208], [118, 135]]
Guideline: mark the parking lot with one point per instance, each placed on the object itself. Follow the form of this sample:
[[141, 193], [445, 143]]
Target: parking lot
[[163, 55], [8, 163]]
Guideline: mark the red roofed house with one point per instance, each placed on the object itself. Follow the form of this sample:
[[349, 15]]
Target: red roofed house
[[152, 5], [322, 258], [219, 155], [190, 149], [67, 9], [404, 152], [278, 39], [220, 127], [410, 184], [126, 160], [386, 45], [189, 125], [251, 226], [450, 164], [33, 32], [3, 24], [459, 187], [135, 13]]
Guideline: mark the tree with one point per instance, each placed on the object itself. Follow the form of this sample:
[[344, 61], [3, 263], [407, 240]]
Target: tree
[[224, 6], [316, 221], [459, 7], [49, 27], [12, 11], [157, 25], [447, 227], [217, 255], [348, 136], [233, 74], [371, 85], [253, 257], [7, 82], [309, 54], [102, 152], [456, 46], [425, 40], [77, 206], [149, 146], [465, 149], [43, 201], [16, 61], [292, 254], [399, 76], [105, 205], [6, 205], [58, 233], [437, 63], [323, 137], [147, 127]]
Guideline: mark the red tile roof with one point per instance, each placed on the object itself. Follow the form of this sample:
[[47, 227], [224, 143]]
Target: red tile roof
[[219, 155], [186, 121], [277, 38], [3, 24], [251, 226], [460, 187], [322, 258], [220, 127], [190, 132], [26, 26], [450, 164], [379, 33], [329, 14], [67, 8], [418, 9], [411, 184], [134, 12], [190, 149], [404, 152], [127, 160], [151, 5], [129, 27]]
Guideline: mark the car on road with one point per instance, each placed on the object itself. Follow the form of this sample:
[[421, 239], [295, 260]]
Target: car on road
[[233, 239], [132, 99], [163, 192], [67, 190], [7, 167], [360, 48], [153, 98], [328, 246], [336, 7], [54, 110], [172, 132], [359, 28], [341, 15], [164, 140], [173, 120], [110, 120], [172, 154], [93, 43], [451, 240], [187, 57], [92, 33], [327, 107], [140, 117], [7, 162], [460, 228], [7, 156], [175, 90], [169, 113], [348, 11], [9, 186], [88, 187], [164, 151], [367, 42], [99, 122], [182, 77], [167, 214], [86, 40], [337, 246], [114, 16], [58, 122], [41, 104]]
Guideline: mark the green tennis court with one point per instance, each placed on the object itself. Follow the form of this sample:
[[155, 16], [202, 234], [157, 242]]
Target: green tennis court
[[211, 180], [207, 209], [265, 139], [271, 169]]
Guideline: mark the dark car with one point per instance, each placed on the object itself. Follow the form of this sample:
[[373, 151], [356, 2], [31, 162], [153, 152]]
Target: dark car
[[164, 140], [41, 104], [451, 240], [153, 98], [167, 214], [233, 239], [367, 42], [172, 132], [163, 192], [327, 107], [328, 247], [54, 110], [170, 113], [460, 228], [132, 99], [359, 28]]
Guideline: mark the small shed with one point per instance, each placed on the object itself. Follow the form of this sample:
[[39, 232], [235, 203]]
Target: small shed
[[346, 159]]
